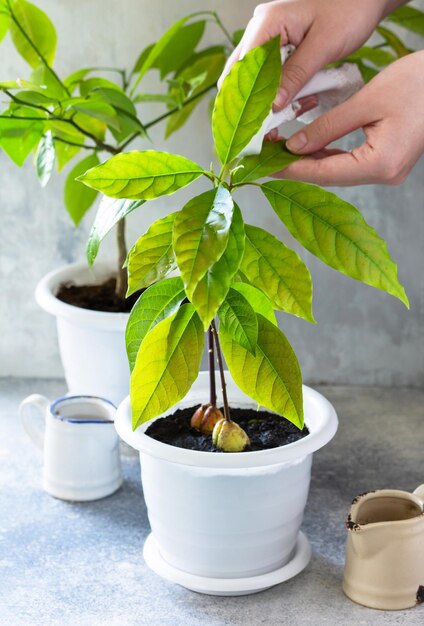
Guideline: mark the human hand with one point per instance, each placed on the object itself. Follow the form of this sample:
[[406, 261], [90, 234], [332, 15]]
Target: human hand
[[323, 32], [389, 109]]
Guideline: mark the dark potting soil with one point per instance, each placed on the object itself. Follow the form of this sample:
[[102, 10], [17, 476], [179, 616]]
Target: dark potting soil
[[96, 297], [265, 430]]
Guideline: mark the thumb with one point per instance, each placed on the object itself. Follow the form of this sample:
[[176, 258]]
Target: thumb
[[336, 123]]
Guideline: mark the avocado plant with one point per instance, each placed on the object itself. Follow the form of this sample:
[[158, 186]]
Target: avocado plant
[[232, 276], [58, 118]]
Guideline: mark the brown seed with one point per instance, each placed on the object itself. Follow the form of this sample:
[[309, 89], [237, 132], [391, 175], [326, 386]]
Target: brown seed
[[198, 415], [211, 417]]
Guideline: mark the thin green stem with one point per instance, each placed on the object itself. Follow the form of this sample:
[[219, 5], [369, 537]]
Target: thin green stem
[[162, 117], [222, 27], [77, 145]]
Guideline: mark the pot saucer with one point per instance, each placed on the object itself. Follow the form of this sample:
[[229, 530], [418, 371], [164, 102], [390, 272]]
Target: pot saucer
[[228, 586]]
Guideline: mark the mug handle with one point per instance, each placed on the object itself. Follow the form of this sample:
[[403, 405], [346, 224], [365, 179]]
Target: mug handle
[[30, 411], [419, 492]]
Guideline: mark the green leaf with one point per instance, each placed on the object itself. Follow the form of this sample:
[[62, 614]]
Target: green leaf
[[167, 364], [376, 56], [212, 289], [78, 198], [237, 36], [259, 302], [154, 305], [94, 84], [99, 110], [152, 256], [44, 80], [44, 158], [142, 175], [64, 153], [4, 24], [74, 79], [19, 137], [201, 231], [124, 108], [150, 56], [367, 72], [245, 99], [239, 320], [335, 232], [38, 27], [179, 48], [393, 41], [209, 67], [272, 376], [109, 213], [36, 98], [409, 18], [273, 157], [279, 272]]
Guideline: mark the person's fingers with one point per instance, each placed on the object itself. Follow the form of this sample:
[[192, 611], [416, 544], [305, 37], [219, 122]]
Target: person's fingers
[[307, 104], [336, 123], [310, 56]]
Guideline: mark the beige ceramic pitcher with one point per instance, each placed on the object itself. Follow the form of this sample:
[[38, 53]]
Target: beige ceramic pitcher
[[384, 566]]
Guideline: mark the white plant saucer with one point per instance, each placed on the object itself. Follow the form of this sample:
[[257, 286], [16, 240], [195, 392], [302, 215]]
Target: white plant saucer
[[228, 586]]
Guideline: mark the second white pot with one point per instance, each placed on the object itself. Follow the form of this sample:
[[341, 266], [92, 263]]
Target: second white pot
[[91, 343], [227, 516]]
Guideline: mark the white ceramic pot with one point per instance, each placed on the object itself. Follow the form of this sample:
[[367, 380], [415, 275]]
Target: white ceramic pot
[[221, 519], [92, 343]]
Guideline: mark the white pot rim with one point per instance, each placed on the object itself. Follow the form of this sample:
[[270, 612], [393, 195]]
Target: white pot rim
[[320, 418], [78, 273]]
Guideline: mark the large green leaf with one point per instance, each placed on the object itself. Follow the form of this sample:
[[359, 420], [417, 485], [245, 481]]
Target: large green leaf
[[279, 272], [180, 47], [152, 256], [78, 198], [44, 158], [150, 56], [46, 81], [167, 364], [38, 27], [259, 302], [212, 289], [335, 232], [109, 213], [409, 18], [201, 231], [142, 175], [272, 376], [19, 137], [239, 320], [207, 67], [155, 304], [245, 99], [273, 157]]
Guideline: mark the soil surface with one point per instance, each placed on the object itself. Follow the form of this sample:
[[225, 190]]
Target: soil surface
[[96, 297], [265, 430]]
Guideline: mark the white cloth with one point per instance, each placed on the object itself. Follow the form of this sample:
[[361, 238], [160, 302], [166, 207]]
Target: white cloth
[[332, 86]]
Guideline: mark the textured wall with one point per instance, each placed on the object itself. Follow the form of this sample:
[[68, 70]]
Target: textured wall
[[362, 336]]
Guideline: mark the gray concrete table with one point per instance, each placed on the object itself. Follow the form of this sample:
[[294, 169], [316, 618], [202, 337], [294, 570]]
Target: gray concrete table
[[81, 564]]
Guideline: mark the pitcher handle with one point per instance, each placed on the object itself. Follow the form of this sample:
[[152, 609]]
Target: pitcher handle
[[32, 412], [419, 492]]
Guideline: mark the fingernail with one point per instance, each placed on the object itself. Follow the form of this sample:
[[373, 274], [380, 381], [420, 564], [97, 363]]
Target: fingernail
[[281, 99], [297, 142]]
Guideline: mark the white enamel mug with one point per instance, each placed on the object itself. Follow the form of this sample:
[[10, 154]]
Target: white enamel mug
[[79, 443]]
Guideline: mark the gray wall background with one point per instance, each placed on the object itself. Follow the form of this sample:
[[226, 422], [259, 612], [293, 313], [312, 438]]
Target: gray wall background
[[363, 336]]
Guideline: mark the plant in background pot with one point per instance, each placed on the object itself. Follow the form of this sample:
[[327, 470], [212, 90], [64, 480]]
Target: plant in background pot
[[61, 118], [226, 512]]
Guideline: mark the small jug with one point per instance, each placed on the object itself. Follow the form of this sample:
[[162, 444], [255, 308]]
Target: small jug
[[384, 566], [79, 443]]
